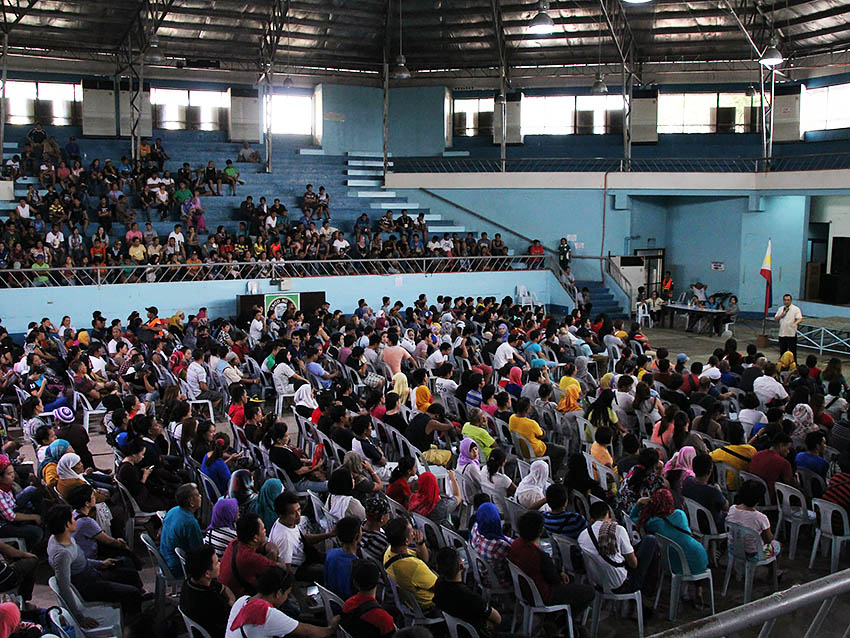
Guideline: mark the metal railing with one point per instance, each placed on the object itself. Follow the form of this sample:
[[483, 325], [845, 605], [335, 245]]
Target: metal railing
[[767, 610], [829, 161], [617, 275], [168, 273]]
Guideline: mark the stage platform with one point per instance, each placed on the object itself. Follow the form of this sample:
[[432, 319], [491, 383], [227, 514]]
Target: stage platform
[[825, 334]]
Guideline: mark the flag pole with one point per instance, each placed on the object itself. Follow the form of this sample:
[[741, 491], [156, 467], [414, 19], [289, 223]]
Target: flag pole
[[766, 272]]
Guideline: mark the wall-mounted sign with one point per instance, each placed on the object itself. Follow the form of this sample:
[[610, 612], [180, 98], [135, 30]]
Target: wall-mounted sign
[[718, 265]]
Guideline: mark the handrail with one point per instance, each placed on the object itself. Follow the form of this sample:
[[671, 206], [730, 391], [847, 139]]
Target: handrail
[[766, 610], [617, 275]]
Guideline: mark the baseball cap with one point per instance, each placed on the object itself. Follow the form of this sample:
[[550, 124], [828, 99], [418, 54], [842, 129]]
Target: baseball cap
[[152, 309], [682, 357]]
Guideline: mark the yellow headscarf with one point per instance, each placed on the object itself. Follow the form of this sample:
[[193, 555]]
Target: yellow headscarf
[[605, 381], [400, 386], [570, 401], [176, 320], [786, 362], [83, 337]]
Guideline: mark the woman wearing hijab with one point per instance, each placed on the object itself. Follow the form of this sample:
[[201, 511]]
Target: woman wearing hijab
[[69, 470], [514, 386], [579, 479], [569, 402], [54, 452], [222, 529], [305, 403], [682, 461], [643, 479], [242, 489], [786, 362], [804, 422], [400, 387], [588, 383], [490, 542], [427, 501], [657, 515], [468, 462], [341, 502], [264, 505], [531, 491]]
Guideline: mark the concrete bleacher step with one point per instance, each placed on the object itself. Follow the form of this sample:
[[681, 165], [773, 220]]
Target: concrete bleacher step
[[367, 154], [368, 163], [364, 182], [311, 151], [366, 172], [371, 194], [435, 228], [394, 205], [8, 204], [455, 153], [10, 145]]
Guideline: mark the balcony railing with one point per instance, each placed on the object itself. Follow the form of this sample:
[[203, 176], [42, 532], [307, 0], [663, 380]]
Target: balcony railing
[[168, 273], [829, 161]]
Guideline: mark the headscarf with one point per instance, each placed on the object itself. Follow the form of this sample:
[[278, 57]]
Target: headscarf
[[682, 460], [489, 522], [660, 504], [400, 387], [176, 319], [54, 452], [427, 495], [515, 375], [605, 381], [224, 514], [464, 459], [5, 462], [786, 362], [569, 402], [304, 396], [535, 482], [10, 618], [65, 467], [241, 487], [804, 420], [504, 337], [264, 505]]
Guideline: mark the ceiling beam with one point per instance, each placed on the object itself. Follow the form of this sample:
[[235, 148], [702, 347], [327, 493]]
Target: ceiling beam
[[274, 28], [18, 8]]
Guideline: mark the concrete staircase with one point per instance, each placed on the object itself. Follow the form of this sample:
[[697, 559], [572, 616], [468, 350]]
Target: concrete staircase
[[603, 300]]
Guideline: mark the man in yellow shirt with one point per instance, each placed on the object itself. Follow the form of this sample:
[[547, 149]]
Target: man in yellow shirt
[[737, 454], [409, 571], [531, 430]]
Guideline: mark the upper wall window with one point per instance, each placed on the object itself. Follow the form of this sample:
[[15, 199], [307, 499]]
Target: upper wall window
[[173, 112], [473, 117], [292, 114], [707, 113], [568, 114], [826, 108], [54, 101]]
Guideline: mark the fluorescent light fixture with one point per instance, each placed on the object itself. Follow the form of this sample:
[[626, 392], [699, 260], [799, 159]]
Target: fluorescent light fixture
[[637, 1], [599, 87], [771, 56], [542, 23]]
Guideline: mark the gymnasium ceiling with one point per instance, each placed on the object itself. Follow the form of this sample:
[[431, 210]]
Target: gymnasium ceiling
[[439, 36]]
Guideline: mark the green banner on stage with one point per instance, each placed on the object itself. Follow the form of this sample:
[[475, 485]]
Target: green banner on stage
[[278, 302]]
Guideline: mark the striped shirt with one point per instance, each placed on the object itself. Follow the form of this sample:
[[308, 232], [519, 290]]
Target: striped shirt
[[567, 523], [374, 545], [838, 491], [219, 538]]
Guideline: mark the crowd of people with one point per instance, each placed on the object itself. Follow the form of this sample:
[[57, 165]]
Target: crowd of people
[[100, 215], [470, 385]]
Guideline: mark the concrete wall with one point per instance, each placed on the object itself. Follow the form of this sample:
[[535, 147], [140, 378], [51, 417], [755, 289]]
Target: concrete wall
[[352, 118], [835, 211], [31, 304], [417, 121]]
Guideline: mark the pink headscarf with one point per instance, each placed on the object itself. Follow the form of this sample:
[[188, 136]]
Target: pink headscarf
[[682, 460], [515, 375]]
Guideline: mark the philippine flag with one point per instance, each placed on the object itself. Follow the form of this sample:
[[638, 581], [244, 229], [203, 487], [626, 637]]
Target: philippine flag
[[766, 273]]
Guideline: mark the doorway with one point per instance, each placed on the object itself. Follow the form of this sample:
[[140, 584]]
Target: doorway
[[653, 260]]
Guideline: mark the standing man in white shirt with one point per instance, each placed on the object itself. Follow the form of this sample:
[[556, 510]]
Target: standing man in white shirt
[[789, 317]]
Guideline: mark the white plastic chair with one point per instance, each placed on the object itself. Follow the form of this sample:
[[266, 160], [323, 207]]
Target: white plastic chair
[[453, 623], [698, 517], [136, 516], [430, 530], [536, 604], [768, 504], [667, 547], [194, 628], [827, 511], [165, 580], [181, 556], [792, 510], [80, 399], [737, 555], [328, 599], [107, 616], [643, 315], [595, 578]]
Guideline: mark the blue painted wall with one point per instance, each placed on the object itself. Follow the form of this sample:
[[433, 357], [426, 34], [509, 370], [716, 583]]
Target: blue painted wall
[[30, 304], [353, 118], [648, 223], [417, 121]]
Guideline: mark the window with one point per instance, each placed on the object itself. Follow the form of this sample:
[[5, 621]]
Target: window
[[292, 115], [548, 115], [173, 103], [20, 98], [62, 95], [209, 102], [746, 117], [826, 108], [473, 116], [601, 121], [687, 112]]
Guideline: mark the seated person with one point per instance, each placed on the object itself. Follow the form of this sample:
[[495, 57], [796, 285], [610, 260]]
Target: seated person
[[488, 540], [699, 489], [772, 465], [531, 430], [248, 556], [295, 547], [812, 459], [455, 598], [745, 513], [560, 520], [409, 570], [202, 598], [374, 543], [362, 615], [736, 454], [340, 560], [612, 562], [180, 527], [554, 587]]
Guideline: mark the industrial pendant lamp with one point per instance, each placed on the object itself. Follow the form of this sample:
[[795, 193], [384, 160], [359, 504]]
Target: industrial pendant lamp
[[154, 55], [751, 91], [599, 87], [542, 23], [771, 56], [288, 83], [400, 71], [637, 1]]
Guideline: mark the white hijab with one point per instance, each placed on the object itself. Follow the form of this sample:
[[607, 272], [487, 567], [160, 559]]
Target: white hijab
[[338, 505], [65, 467], [304, 396], [533, 487]]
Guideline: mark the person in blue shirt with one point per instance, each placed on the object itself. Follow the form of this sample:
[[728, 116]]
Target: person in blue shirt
[[180, 528], [812, 459], [339, 561], [215, 467], [324, 377], [72, 150]]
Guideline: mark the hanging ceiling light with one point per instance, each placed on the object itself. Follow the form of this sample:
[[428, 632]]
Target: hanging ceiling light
[[771, 56], [751, 91], [400, 71], [153, 56], [599, 87], [288, 83], [542, 23], [637, 1]]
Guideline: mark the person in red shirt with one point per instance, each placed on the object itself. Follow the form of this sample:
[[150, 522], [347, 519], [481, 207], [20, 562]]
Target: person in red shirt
[[554, 586], [253, 556], [690, 382], [362, 615], [238, 398], [772, 465]]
